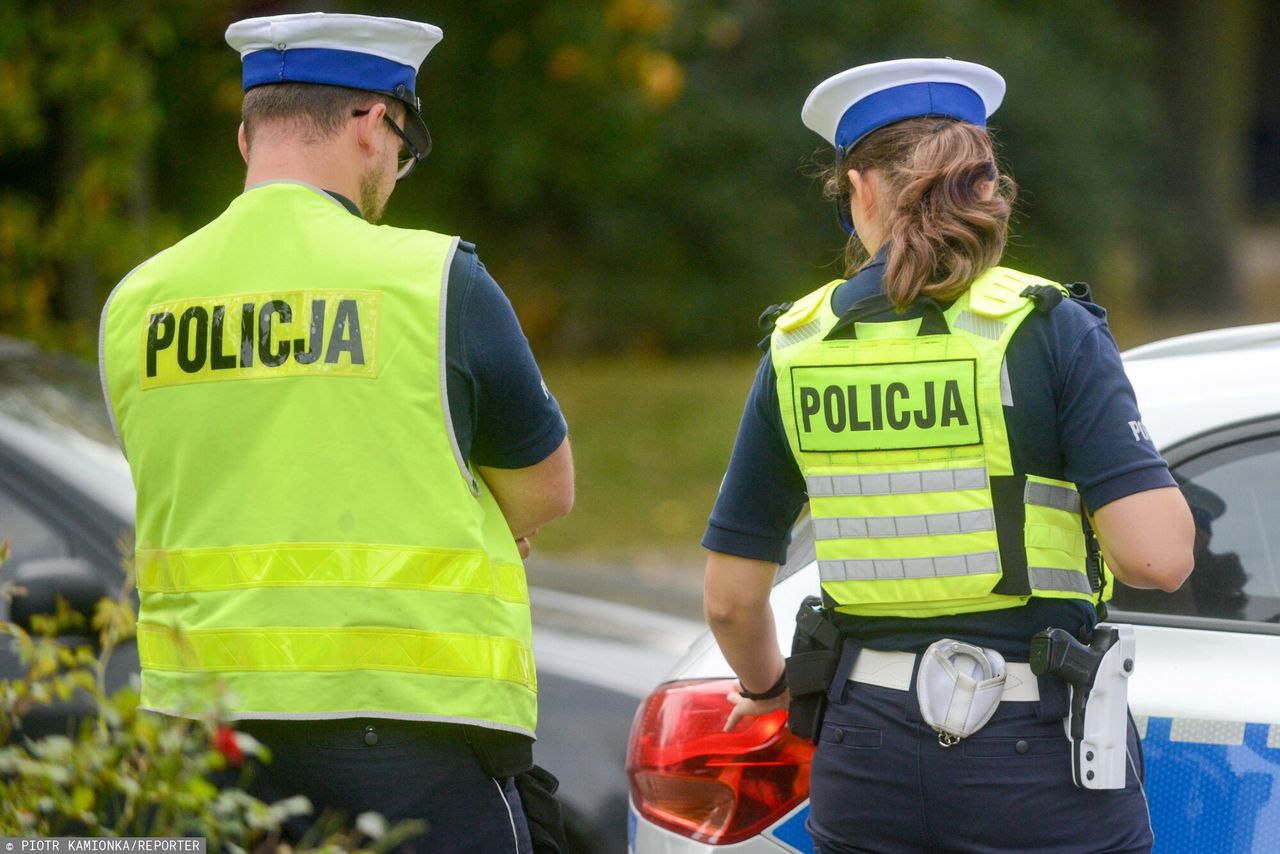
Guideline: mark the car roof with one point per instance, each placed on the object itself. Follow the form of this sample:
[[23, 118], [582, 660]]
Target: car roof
[[1205, 381], [52, 413]]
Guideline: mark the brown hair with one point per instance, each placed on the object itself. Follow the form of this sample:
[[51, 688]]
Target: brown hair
[[316, 112], [942, 229]]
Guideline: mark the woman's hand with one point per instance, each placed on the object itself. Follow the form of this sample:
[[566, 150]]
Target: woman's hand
[[744, 708]]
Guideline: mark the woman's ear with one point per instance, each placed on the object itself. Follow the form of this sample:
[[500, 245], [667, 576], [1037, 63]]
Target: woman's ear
[[863, 193]]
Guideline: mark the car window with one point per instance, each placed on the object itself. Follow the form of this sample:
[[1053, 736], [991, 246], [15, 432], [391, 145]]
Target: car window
[[30, 537], [1234, 495]]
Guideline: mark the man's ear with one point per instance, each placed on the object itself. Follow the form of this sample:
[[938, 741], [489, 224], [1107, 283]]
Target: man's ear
[[367, 128], [243, 140]]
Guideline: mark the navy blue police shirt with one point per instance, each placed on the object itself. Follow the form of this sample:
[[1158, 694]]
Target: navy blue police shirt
[[1074, 417], [503, 415]]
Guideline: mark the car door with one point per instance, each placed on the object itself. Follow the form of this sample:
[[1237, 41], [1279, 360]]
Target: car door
[[1206, 691]]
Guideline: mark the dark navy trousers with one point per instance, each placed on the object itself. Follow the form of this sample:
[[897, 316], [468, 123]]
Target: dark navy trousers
[[401, 769], [882, 783]]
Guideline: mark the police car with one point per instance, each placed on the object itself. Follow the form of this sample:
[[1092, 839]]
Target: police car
[[1205, 693]]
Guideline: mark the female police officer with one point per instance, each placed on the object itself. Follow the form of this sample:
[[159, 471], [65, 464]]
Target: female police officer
[[952, 424]]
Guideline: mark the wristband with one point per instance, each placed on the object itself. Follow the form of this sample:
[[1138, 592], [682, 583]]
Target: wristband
[[776, 691]]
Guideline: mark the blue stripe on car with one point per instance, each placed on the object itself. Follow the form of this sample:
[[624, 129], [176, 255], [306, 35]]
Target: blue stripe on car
[[792, 831], [1209, 792]]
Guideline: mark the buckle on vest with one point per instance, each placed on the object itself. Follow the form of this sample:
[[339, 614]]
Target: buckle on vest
[[1045, 297], [769, 317]]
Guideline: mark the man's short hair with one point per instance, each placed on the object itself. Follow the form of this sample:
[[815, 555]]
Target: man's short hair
[[315, 112]]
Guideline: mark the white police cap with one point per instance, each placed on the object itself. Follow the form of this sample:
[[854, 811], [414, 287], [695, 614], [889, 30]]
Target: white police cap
[[845, 108], [356, 51]]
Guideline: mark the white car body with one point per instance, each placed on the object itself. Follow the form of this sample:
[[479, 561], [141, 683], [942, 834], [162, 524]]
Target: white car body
[[1206, 692]]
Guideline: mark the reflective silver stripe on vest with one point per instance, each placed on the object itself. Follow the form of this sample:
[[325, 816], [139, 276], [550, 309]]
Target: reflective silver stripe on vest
[[1068, 580], [896, 483], [987, 327], [1048, 495], [1006, 389], [920, 567], [922, 525], [801, 333]]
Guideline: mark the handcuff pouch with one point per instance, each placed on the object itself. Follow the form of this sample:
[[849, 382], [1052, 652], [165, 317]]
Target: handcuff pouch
[[959, 686]]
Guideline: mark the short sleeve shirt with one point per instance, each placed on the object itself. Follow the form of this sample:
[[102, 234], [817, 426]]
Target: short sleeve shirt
[[502, 412], [1073, 417]]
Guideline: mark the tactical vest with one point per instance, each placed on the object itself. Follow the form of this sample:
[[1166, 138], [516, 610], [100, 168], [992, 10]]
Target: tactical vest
[[308, 533], [899, 431]]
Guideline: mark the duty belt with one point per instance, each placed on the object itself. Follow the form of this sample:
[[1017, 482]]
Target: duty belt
[[894, 670]]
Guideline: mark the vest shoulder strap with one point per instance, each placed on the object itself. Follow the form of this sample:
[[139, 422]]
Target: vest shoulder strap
[[805, 309], [1000, 291]]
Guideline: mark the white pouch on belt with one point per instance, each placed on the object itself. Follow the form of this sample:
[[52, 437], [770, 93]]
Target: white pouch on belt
[[959, 686]]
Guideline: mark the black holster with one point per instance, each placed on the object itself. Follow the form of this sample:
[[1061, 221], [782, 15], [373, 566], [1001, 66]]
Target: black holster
[[502, 754], [537, 788], [506, 754], [815, 654]]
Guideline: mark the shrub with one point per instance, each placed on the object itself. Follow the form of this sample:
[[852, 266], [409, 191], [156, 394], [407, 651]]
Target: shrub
[[123, 771]]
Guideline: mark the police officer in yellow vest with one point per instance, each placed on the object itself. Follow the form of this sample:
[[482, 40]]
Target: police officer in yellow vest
[[341, 445], [952, 424]]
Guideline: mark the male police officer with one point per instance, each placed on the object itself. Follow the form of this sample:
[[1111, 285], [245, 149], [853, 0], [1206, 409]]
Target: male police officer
[[341, 442]]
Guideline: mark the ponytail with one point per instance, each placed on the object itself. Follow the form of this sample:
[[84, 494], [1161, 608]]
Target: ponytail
[[946, 207]]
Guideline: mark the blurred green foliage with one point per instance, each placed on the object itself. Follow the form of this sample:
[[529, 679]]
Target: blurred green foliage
[[634, 171], [650, 442]]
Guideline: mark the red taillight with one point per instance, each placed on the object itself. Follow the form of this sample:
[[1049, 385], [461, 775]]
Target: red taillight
[[689, 776]]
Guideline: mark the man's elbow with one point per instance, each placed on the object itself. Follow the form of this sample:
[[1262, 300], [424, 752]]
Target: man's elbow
[[560, 503], [549, 505], [559, 495]]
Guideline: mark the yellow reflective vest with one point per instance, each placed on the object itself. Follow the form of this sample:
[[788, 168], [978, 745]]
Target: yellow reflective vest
[[899, 431], [308, 533]]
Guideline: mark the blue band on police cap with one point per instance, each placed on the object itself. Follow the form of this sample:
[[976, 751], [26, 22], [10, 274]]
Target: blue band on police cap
[[329, 66], [906, 102]]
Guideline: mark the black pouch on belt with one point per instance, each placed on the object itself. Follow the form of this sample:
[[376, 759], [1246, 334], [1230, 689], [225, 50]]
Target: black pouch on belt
[[506, 754], [501, 754], [815, 652], [537, 788]]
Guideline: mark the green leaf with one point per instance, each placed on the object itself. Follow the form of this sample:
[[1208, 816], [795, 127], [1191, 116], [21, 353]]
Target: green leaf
[[83, 798], [203, 789]]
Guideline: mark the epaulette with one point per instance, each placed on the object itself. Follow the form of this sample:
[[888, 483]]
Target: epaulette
[[806, 308], [787, 316], [1000, 292]]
